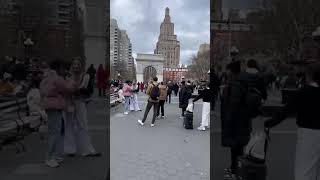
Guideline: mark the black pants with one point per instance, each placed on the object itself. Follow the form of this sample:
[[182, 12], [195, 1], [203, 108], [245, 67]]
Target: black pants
[[161, 105], [236, 152], [183, 110], [168, 98], [155, 109]]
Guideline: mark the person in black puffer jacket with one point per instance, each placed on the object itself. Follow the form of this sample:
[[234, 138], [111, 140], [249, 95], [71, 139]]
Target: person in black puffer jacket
[[184, 96], [235, 117]]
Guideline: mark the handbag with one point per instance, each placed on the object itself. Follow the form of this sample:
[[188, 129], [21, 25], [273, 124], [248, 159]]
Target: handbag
[[84, 91], [190, 106]]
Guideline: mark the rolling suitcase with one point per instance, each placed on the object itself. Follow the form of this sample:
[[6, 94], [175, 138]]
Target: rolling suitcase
[[188, 120], [252, 168]]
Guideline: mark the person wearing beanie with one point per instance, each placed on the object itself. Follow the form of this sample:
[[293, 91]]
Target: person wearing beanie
[[153, 92]]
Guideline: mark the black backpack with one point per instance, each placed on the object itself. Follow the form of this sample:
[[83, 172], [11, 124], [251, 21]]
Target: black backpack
[[155, 92]]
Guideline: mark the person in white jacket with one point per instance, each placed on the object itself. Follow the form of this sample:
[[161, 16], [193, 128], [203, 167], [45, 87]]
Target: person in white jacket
[[33, 101]]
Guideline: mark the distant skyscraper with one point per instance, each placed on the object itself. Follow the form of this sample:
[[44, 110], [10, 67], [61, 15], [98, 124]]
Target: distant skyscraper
[[114, 42], [203, 48], [120, 47], [167, 44], [57, 19], [125, 50]]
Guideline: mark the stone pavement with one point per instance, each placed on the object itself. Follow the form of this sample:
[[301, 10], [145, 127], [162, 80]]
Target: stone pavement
[[166, 151], [280, 158], [30, 165]]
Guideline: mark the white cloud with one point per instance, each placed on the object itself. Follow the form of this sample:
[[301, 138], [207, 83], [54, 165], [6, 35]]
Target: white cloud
[[142, 19]]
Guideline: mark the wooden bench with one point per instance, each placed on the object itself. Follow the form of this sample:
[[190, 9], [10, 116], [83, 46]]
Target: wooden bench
[[114, 99], [15, 122]]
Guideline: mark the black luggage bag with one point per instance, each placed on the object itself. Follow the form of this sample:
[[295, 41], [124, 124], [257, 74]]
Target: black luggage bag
[[252, 169], [188, 120]]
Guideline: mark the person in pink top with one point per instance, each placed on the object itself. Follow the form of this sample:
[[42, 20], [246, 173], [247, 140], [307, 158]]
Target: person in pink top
[[53, 91], [128, 95]]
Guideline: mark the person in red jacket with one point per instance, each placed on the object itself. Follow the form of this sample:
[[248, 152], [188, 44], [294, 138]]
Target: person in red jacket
[[142, 86], [102, 80]]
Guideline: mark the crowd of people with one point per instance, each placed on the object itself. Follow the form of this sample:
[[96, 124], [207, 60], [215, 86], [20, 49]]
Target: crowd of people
[[241, 98], [59, 93], [159, 94]]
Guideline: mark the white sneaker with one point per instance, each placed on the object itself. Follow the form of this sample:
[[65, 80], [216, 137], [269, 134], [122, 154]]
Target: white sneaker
[[125, 113], [140, 122], [201, 128], [163, 117], [52, 163], [152, 125]]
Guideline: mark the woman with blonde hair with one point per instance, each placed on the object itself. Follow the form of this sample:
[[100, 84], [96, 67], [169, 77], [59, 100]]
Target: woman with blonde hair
[[77, 139]]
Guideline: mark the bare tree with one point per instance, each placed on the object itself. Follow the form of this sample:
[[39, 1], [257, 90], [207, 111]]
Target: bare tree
[[200, 66], [286, 24], [121, 68]]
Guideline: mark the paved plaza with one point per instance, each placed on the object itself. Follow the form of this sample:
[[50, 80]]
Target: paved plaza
[[30, 165], [166, 151]]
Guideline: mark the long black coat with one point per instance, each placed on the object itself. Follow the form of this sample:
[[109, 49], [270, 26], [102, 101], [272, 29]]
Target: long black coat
[[184, 96], [235, 120]]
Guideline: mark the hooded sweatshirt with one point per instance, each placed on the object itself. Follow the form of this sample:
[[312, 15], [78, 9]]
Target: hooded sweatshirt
[[154, 83]]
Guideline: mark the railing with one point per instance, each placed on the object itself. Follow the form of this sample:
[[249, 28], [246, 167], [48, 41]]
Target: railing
[[114, 98], [15, 121]]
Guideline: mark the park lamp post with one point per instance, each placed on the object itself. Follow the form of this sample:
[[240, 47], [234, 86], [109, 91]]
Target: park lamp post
[[233, 52], [316, 35], [28, 43]]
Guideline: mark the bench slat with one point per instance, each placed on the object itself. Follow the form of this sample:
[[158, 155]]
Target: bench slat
[[9, 103], [12, 125], [12, 109]]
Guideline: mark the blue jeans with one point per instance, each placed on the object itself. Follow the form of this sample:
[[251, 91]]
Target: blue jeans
[[55, 134], [127, 104]]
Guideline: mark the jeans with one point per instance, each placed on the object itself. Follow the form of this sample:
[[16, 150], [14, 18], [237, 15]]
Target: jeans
[[127, 104], [155, 109], [55, 134], [307, 162], [168, 98], [161, 105]]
